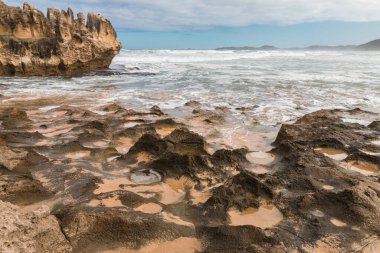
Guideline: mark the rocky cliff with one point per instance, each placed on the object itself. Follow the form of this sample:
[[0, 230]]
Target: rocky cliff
[[58, 44]]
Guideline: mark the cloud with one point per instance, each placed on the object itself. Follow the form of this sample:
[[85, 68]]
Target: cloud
[[172, 15]]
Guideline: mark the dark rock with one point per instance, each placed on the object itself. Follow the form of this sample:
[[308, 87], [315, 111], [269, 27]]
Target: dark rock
[[97, 229]]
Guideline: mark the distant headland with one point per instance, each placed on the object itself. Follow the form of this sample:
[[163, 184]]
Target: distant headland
[[370, 46]]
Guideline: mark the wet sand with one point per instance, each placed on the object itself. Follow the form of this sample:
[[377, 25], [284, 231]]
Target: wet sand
[[335, 154], [264, 217]]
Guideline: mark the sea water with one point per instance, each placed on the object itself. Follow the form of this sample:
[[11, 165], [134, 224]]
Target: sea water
[[278, 86]]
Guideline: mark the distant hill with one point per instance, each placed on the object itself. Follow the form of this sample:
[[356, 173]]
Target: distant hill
[[327, 48], [370, 46], [266, 48]]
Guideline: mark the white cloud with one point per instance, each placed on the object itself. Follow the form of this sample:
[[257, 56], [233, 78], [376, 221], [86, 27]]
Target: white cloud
[[200, 14]]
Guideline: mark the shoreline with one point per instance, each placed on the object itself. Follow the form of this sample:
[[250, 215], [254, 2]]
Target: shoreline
[[111, 179]]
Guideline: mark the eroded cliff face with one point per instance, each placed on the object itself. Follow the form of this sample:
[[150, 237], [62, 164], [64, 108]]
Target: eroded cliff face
[[58, 44]]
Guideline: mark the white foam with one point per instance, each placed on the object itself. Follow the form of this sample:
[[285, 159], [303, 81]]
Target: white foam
[[284, 84]]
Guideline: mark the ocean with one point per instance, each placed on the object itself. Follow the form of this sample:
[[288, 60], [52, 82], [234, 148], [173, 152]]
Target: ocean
[[277, 86]]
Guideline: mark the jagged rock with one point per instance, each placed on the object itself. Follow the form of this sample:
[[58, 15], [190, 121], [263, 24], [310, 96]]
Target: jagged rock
[[58, 44]]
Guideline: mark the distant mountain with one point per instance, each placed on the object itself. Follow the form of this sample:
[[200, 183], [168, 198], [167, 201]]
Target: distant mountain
[[370, 46], [266, 48]]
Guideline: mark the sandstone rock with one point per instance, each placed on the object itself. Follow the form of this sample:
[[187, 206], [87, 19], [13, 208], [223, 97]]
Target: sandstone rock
[[26, 231], [58, 44]]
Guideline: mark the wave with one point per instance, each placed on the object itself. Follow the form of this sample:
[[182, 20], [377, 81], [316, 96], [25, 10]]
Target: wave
[[192, 56]]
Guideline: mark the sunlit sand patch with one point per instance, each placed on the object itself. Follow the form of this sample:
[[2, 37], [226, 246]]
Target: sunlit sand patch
[[146, 177], [260, 157], [335, 154], [182, 245], [110, 185], [164, 131], [258, 169], [264, 217], [108, 202], [150, 208], [123, 145], [338, 223], [365, 168], [328, 187], [317, 213], [168, 217], [78, 155], [377, 142]]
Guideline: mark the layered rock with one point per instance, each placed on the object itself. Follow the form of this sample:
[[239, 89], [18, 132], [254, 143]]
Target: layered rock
[[58, 44]]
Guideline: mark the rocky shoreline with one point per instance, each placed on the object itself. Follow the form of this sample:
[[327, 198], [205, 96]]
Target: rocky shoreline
[[58, 44], [111, 179]]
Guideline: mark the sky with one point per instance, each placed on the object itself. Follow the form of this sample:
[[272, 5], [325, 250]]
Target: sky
[[179, 24]]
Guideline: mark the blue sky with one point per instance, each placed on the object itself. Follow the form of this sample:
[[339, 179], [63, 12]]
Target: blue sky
[[167, 24], [299, 35]]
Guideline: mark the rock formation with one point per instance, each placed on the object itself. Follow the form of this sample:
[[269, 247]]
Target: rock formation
[[26, 231], [32, 44], [119, 180]]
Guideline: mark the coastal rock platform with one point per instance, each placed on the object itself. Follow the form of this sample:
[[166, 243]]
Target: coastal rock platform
[[111, 179]]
